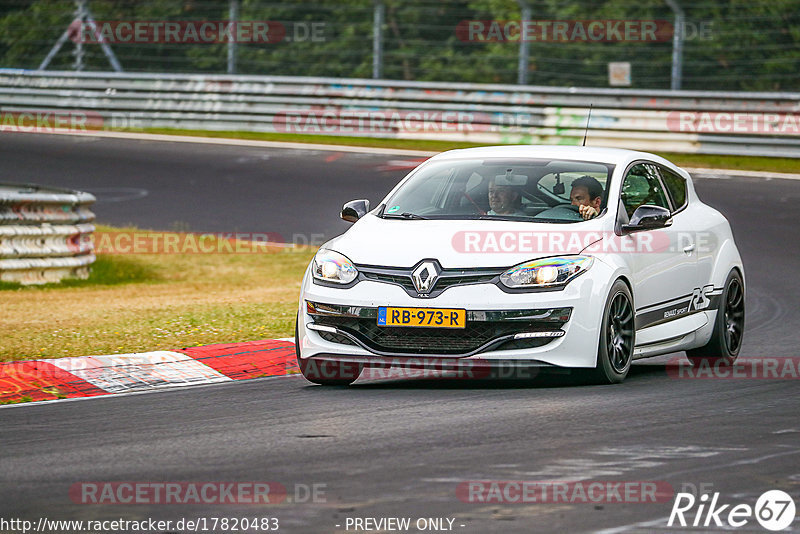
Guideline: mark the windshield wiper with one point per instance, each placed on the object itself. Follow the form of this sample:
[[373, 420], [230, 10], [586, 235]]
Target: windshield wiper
[[404, 215], [557, 221], [519, 219], [487, 217]]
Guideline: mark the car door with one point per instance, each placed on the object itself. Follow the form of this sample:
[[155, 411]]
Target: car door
[[678, 190], [665, 272]]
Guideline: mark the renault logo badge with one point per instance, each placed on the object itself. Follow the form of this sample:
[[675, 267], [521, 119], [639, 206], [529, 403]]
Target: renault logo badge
[[425, 276]]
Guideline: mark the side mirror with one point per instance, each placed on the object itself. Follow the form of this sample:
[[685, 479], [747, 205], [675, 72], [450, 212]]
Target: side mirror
[[354, 210], [648, 217]]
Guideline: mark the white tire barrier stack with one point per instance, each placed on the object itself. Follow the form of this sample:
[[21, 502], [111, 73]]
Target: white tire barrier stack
[[45, 234]]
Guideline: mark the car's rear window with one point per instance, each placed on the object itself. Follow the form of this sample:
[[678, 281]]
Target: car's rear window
[[676, 185]]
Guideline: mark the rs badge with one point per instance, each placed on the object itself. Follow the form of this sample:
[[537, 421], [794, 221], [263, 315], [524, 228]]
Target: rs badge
[[700, 300]]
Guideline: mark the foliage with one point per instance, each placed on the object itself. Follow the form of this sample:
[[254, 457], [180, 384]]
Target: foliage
[[732, 45]]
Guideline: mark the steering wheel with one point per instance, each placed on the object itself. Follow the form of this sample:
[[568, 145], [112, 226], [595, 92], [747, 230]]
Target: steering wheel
[[561, 211]]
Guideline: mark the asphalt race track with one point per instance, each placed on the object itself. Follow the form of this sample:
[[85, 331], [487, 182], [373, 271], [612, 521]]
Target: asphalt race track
[[399, 448], [201, 187]]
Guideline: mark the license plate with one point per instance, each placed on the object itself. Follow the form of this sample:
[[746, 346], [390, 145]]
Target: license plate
[[425, 317]]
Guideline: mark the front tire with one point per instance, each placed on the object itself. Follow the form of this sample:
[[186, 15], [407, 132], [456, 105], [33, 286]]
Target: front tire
[[325, 372], [726, 340], [617, 337]]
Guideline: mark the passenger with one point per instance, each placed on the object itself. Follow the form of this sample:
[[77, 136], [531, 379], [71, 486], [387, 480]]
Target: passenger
[[587, 194]]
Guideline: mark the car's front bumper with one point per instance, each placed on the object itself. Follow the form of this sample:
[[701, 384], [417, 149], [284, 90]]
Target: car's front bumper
[[567, 320]]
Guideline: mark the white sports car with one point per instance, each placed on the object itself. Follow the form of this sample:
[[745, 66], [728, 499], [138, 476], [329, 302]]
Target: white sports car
[[525, 256]]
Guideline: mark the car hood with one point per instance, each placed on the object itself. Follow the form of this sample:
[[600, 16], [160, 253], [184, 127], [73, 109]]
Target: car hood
[[460, 243]]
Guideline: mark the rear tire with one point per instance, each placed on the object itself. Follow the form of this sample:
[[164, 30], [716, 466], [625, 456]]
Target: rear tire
[[325, 372], [617, 337], [726, 340]]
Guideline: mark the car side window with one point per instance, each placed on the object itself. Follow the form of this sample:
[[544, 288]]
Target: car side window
[[642, 186], [676, 185]]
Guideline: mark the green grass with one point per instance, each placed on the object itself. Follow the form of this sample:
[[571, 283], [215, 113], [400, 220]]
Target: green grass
[[143, 302], [407, 144], [742, 163], [106, 271], [750, 163]]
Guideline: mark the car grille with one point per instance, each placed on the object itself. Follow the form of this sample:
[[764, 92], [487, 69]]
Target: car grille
[[399, 279], [420, 340], [443, 283], [336, 338], [447, 278]]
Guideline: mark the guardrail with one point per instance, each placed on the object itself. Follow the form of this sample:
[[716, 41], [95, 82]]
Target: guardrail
[[766, 124], [45, 234]]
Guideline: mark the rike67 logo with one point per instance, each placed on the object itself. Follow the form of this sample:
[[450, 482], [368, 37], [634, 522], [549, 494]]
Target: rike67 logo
[[774, 510]]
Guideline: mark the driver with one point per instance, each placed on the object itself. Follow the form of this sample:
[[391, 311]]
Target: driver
[[504, 198], [587, 194]]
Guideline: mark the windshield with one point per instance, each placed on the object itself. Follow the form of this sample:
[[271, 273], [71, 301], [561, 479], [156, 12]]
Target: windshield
[[518, 189]]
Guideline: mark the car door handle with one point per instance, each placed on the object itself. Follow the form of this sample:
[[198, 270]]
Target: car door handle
[[689, 249]]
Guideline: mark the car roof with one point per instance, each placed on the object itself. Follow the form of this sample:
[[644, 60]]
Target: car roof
[[616, 156]]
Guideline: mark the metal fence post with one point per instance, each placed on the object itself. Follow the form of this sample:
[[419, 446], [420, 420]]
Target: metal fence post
[[233, 18], [80, 15], [524, 45], [677, 45], [377, 39]]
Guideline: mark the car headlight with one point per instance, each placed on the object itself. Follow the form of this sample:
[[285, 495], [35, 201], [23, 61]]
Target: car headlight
[[546, 272], [330, 266]]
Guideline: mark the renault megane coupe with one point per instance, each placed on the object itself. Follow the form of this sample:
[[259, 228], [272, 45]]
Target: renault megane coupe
[[520, 257]]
